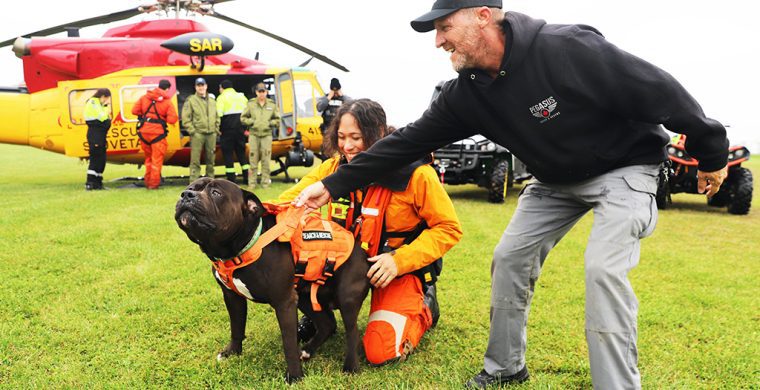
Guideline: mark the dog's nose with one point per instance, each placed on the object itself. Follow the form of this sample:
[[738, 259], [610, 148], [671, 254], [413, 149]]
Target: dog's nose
[[189, 194]]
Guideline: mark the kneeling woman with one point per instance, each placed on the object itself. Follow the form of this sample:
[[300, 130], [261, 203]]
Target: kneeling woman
[[406, 222]]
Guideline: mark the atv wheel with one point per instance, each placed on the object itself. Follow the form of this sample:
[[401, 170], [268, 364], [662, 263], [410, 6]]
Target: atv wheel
[[740, 190], [663, 195], [720, 199], [497, 186]]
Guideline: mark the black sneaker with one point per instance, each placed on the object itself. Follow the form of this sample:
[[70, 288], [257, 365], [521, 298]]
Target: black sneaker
[[484, 379], [306, 329]]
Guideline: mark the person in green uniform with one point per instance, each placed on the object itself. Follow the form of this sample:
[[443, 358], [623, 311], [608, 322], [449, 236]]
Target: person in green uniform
[[261, 117], [202, 123]]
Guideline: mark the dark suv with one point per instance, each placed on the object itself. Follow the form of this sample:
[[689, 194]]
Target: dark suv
[[480, 161]]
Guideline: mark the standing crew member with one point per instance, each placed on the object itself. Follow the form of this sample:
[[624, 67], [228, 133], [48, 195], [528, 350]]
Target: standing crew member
[[202, 123], [261, 117], [330, 103], [97, 115], [155, 112], [229, 105], [584, 117]]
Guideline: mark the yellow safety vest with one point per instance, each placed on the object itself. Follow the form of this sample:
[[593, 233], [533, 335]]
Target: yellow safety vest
[[230, 102], [94, 111]]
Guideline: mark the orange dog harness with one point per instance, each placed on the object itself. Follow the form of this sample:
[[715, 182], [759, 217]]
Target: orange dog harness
[[319, 247]]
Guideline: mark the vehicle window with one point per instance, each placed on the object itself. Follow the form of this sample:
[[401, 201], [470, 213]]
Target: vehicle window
[[306, 97], [77, 99], [128, 96]]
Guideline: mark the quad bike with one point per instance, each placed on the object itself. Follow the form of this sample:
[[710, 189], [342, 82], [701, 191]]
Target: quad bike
[[680, 175]]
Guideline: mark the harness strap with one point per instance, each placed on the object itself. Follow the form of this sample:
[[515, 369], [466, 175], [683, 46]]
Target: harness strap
[[142, 119], [252, 252]]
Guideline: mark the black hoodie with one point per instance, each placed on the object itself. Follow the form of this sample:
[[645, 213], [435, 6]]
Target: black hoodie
[[566, 102]]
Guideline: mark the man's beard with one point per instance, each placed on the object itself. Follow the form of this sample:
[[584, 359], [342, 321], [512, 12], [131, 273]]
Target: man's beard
[[465, 52]]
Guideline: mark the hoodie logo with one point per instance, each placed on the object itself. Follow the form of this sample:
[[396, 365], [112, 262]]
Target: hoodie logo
[[545, 109]]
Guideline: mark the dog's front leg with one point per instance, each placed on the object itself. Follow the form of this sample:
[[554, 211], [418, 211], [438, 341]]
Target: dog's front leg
[[287, 317], [237, 308]]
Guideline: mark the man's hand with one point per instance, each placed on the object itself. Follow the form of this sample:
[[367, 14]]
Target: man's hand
[[383, 271], [330, 95], [711, 181], [313, 197]]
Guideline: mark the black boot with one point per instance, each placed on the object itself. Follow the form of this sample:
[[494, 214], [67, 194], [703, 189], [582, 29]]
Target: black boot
[[431, 300], [306, 329], [231, 176], [245, 176], [92, 183], [99, 183]]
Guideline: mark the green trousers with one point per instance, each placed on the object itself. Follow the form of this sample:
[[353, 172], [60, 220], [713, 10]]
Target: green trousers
[[260, 151], [207, 143]]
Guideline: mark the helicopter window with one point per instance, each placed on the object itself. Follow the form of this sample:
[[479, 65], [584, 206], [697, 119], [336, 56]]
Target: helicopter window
[[77, 100], [306, 95], [128, 96]]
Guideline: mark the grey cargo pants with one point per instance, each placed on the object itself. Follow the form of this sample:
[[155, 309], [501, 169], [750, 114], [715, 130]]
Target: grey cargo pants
[[625, 211]]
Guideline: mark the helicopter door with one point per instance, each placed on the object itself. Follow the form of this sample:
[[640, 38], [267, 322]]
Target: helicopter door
[[286, 102]]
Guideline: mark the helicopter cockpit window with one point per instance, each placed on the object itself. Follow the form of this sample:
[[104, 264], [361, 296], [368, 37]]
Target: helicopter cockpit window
[[77, 100], [128, 96], [306, 97]]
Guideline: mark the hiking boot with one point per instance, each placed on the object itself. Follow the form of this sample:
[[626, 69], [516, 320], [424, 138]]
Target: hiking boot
[[306, 329], [484, 379], [431, 300]]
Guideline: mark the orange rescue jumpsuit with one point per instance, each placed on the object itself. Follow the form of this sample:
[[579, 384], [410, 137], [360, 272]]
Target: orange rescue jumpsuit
[[422, 199], [154, 153]]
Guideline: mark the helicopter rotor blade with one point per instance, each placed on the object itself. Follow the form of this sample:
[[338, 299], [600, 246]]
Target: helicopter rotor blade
[[290, 43], [112, 17], [306, 62]]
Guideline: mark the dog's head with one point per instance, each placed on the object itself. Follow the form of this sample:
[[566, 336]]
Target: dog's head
[[218, 215]]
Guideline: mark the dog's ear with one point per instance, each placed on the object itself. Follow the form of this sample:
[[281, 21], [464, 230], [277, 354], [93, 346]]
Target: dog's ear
[[252, 204]]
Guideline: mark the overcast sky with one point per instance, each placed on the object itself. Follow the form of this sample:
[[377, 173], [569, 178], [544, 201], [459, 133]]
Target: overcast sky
[[711, 47]]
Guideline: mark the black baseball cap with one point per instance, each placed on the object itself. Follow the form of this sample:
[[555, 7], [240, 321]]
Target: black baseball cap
[[200, 80], [443, 8]]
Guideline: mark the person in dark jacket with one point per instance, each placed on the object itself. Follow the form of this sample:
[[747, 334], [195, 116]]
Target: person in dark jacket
[[229, 105], [330, 103], [97, 115], [585, 117]]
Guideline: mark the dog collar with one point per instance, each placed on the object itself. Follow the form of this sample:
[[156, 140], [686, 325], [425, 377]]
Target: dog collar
[[253, 239]]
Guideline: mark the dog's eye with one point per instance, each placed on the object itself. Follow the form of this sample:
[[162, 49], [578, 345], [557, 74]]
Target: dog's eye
[[215, 193]]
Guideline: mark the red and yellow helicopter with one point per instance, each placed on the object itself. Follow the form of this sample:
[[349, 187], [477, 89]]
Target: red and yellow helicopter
[[62, 73]]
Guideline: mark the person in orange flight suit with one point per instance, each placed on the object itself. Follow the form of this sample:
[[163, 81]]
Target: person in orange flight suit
[[420, 226], [155, 112]]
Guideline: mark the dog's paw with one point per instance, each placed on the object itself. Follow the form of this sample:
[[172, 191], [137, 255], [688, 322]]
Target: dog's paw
[[352, 368], [229, 350], [305, 356], [290, 379]]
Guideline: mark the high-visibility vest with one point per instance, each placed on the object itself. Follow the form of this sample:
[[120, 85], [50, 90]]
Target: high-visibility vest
[[230, 102], [94, 111]]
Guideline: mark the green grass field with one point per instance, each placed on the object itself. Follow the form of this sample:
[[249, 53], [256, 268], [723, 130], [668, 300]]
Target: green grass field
[[102, 290]]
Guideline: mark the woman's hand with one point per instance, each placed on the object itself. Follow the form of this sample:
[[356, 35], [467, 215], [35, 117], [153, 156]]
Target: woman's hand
[[383, 271]]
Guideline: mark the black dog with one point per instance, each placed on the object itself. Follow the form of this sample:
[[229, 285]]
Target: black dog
[[222, 218]]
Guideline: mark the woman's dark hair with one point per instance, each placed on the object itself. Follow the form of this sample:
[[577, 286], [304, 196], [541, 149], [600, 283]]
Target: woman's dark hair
[[370, 117], [102, 92]]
